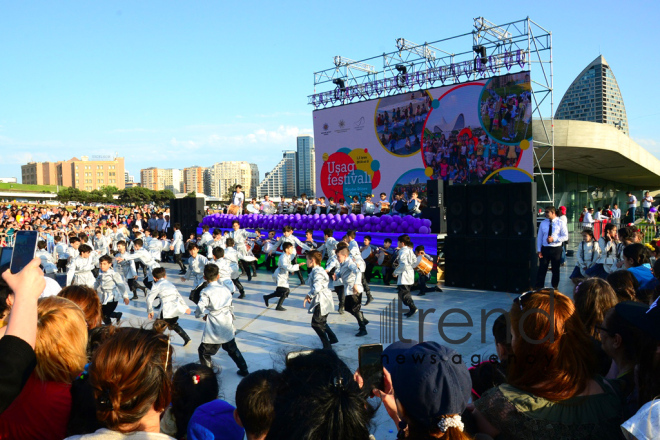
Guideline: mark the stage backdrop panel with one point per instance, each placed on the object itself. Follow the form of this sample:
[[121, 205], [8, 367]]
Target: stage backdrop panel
[[471, 133]]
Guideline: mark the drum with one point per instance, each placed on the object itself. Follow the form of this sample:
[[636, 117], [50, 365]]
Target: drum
[[425, 266], [233, 209], [384, 210], [252, 209], [401, 206], [369, 208], [248, 247], [256, 251], [270, 210], [411, 206], [300, 208], [343, 210], [356, 208], [268, 247]]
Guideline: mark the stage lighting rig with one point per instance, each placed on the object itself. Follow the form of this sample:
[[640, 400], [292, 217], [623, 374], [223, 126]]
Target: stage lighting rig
[[352, 64], [481, 52], [340, 84], [488, 27], [421, 50]]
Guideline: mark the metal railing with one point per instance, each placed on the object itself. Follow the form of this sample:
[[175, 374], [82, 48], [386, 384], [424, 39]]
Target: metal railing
[[650, 232]]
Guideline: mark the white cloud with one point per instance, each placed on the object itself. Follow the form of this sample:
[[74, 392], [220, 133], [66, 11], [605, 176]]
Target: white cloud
[[647, 142]]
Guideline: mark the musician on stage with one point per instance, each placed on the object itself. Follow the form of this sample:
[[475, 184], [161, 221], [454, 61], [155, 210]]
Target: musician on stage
[[368, 207], [237, 198], [399, 206], [413, 205], [382, 203], [332, 206], [321, 207], [355, 204], [253, 207], [304, 202], [283, 206], [267, 205], [423, 278]]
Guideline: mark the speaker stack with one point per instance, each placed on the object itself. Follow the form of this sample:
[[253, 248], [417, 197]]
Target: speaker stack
[[435, 191], [188, 212], [491, 236]]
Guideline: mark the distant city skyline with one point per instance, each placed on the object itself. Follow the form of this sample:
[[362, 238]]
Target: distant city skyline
[[168, 86]]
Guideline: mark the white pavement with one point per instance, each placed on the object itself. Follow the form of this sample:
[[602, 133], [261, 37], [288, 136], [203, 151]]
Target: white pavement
[[264, 336]]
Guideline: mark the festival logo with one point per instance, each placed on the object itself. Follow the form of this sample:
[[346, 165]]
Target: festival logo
[[347, 173]]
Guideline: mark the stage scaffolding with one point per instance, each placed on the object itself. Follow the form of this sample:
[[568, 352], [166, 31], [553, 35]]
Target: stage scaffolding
[[488, 50]]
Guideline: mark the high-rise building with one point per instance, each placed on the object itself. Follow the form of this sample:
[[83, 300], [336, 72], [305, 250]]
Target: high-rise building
[[305, 167], [193, 180], [255, 180], [159, 179], [84, 174], [128, 178], [594, 96], [219, 178], [281, 181]]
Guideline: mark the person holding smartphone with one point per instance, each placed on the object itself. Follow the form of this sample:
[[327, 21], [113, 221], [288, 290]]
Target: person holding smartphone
[[319, 299]]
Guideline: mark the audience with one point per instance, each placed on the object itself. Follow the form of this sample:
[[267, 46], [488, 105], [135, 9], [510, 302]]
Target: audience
[[553, 391], [131, 374], [88, 300], [318, 398], [43, 408], [255, 403], [625, 285]]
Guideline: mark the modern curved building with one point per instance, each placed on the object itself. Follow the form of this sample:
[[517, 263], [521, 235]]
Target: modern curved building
[[594, 96], [596, 161]]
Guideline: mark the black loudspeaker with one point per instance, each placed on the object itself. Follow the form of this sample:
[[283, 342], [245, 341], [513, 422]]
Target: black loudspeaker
[[522, 209], [457, 207], [455, 273], [188, 212], [438, 219], [477, 212], [435, 193], [497, 212], [454, 248]]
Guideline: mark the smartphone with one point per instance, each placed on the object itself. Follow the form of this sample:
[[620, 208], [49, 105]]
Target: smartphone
[[295, 354], [371, 366], [5, 258], [25, 246]]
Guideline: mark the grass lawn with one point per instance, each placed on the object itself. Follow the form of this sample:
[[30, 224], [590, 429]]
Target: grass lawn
[[19, 187]]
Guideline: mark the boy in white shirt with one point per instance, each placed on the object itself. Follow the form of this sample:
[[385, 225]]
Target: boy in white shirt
[[111, 288], [173, 304], [196, 264], [47, 261], [219, 329], [232, 255], [281, 276]]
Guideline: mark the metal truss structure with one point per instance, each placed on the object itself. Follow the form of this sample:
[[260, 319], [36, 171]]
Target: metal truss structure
[[488, 50]]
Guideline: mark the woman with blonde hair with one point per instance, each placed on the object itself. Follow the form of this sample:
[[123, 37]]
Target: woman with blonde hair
[[131, 375], [88, 300], [42, 410]]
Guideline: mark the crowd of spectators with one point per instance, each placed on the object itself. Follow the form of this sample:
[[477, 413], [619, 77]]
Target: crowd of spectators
[[581, 368]]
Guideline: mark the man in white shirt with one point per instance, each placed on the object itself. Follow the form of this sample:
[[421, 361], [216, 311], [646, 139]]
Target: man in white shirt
[[647, 202], [238, 198], [552, 233], [632, 206]]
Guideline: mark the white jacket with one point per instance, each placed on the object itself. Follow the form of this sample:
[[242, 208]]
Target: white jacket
[[588, 255], [177, 243], [196, 269], [79, 272], [227, 271], [173, 303], [406, 269], [284, 268], [126, 268], [47, 261], [110, 286], [319, 291], [219, 327], [350, 275]]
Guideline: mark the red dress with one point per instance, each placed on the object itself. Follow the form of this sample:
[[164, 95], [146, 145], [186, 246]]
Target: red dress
[[40, 412]]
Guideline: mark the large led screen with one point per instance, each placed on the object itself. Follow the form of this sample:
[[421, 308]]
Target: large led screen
[[478, 132]]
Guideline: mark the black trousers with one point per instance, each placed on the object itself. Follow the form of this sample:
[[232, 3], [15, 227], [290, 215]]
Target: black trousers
[[551, 255], [353, 304], [207, 350], [140, 264], [339, 289], [177, 260], [405, 296], [421, 281], [61, 265], [281, 292], [108, 311], [365, 284], [173, 323], [238, 285], [322, 329], [369, 272]]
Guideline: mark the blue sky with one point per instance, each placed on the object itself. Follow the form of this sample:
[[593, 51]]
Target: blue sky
[[174, 84]]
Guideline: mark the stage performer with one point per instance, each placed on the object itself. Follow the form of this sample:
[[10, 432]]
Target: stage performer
[[178, 247], [145, 257], [349, 276], [281, 276], [173, 304], [288, 237], [237, 198], [110, 287], [219, 329], [405, 273], [231, 255], [127, 270], [196, 264], [247, 260], [354, 249], [320, 299]]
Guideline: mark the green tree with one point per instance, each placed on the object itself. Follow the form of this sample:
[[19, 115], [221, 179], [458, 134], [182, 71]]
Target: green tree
[[192, 194], [230, 191]]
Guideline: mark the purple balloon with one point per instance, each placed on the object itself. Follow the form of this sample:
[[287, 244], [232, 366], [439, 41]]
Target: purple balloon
[[424, 230], [367, 228], [404, 225]]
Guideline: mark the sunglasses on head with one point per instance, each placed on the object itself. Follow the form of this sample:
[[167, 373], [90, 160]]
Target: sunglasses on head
[[526, 295]]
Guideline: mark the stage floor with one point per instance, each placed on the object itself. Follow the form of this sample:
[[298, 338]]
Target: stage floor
[[264, 336]]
